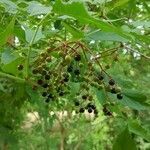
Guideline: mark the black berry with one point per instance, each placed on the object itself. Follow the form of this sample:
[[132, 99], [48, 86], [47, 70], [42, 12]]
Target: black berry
[[77, 57], [35, 71], [119, 96], [108, 113], [66, 79], [93, 107], [50, 96], [45, 85], [113, 91], [100, 77], [77, 103], [81, 110], [111, 82], [70, 68], [44, 94], [61, 93], [68, 59], [84, 97], [47, 77], [40, 82], [90, 110], [44, 72], [76, 71], [20, 67], [47, 100]]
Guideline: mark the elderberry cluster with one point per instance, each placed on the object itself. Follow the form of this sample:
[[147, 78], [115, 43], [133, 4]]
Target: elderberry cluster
[[55, 69]]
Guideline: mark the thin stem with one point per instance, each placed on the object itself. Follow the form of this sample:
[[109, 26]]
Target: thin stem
[[31, 43], [96, 60], [130, 49], [12, 77]]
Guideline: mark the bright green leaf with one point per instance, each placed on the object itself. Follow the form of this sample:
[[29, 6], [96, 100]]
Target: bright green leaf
[[77, 34], [12, 67]]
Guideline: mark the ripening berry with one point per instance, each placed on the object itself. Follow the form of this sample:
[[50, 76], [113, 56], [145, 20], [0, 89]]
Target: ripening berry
[[118, 89], [67, 59], [48, 59]]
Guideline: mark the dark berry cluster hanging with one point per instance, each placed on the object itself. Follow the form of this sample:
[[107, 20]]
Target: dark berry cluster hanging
[[55, 68]]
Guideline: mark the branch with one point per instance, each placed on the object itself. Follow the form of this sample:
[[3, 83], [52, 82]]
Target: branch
[[131, 49]]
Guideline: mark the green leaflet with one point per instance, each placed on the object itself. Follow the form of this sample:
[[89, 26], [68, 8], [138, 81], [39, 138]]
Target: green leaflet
[[8, 32]]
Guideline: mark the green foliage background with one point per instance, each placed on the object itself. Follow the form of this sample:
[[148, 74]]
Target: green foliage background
[[101, 25]]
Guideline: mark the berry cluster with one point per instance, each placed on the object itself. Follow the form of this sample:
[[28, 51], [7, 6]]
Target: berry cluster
[[56, 68]]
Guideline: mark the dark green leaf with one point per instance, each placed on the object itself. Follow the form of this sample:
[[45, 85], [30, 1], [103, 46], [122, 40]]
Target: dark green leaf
[[135, 95], [136, 128], [124, 141], [72, 9], [105, 36]]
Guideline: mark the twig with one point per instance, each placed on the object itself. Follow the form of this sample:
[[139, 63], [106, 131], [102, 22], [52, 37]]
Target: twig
[[131, 49]]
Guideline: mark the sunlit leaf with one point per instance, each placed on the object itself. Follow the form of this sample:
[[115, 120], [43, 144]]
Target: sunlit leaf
[[7, 33]]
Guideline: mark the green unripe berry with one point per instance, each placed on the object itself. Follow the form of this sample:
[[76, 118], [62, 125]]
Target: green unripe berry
[[67, 59]]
